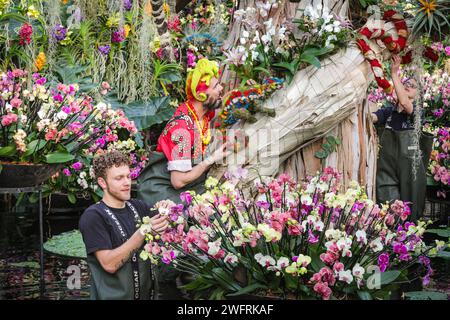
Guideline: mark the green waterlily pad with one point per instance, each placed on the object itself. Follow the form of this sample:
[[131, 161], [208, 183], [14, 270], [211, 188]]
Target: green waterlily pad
[[425, 295], [68, 244], [25, 264]]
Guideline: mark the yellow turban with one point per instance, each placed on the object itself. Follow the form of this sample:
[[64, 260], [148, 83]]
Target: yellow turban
[[203, 72]]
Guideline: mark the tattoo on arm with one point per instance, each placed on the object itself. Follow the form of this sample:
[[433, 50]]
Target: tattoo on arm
[[124, 260]]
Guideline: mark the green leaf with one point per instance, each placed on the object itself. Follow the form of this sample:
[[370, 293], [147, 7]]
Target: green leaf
[[35, 146], [316, 52], [59, 157], [440, 232], [331, 140], [430, 182], [389, 276], [1, 168], [443, 255], [364, 295], [168, 78], [327, 147], [286, 65], [311, 60], [225, 280], [33, 198], [321, 154], [248, 289], [8, 151], [426, 295], [7, 17], [71, 197], [145, 114], [261, 69], [316, 263]]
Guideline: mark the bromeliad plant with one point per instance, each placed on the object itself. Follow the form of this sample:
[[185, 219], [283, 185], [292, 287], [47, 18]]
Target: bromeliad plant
[[291, 240]]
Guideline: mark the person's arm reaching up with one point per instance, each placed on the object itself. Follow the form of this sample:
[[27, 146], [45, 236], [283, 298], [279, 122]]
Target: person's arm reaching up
[[403, 100]]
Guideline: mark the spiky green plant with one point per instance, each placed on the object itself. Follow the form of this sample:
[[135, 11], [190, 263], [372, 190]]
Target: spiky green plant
[[431, 17]]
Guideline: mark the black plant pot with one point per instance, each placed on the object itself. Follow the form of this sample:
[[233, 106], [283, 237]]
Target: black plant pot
[[22, 175], [59, 203]]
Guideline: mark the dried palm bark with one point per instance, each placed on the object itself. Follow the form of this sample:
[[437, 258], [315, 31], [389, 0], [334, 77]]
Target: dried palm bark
[[318, 102]]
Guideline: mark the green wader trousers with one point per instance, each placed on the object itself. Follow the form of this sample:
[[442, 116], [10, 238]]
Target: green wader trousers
[[154, 182], [395, 179], [154, 185]]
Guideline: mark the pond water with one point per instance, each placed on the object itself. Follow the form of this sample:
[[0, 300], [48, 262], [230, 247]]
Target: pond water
[[19, 260]]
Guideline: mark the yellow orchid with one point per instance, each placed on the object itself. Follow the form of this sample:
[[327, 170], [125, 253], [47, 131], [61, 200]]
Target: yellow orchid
[[32, 12], [292, 268], [211, 182]]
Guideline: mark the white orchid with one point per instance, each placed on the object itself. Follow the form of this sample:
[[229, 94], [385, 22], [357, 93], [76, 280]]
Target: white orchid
[[214, 247], [231, 258], [346, 276], [361, 236], [358, 271], [266, 38], [330, 38], [282, 263], [376, 245]]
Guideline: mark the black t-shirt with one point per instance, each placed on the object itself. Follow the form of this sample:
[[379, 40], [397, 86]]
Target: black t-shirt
[[100, 233], [399, 121]]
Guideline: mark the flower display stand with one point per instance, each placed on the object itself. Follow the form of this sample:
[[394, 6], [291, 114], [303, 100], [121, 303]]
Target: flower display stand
[[33, 189], [24, 175]]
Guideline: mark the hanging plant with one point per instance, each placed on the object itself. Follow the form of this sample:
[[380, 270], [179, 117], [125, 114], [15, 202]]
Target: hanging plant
[[328, 147]]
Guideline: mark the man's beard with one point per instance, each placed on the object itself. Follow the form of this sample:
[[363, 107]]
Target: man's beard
[[118, 195], [211, 105]]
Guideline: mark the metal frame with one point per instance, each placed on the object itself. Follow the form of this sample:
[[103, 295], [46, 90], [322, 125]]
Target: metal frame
[[35, 189]]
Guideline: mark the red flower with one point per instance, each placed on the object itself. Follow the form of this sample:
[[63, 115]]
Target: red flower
[[174, 24], [431, 54], [25, 33], [407, 58]]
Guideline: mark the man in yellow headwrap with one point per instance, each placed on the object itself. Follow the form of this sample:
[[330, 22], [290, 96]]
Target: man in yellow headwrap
[[180, 161]]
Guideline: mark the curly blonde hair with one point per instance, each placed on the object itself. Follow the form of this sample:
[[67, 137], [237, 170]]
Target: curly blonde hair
[[108, 160]]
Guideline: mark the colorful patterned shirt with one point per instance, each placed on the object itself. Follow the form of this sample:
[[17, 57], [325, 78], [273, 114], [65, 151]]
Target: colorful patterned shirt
[[180, 140]]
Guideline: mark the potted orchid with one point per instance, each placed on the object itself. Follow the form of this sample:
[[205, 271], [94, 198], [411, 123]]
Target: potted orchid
[[436, 98], [436, 102], [267, 49], [76, 179], [40, 125], [439, 165], [289, 240]]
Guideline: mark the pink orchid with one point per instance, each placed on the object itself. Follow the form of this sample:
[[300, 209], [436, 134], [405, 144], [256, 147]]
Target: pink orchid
[[9, 119], [16, 102], [323, 290]]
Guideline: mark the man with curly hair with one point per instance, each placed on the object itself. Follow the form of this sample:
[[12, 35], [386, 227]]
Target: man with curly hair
[[111, 235]]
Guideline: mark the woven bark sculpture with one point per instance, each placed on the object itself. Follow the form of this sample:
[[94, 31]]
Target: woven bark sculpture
[[318, 102]]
